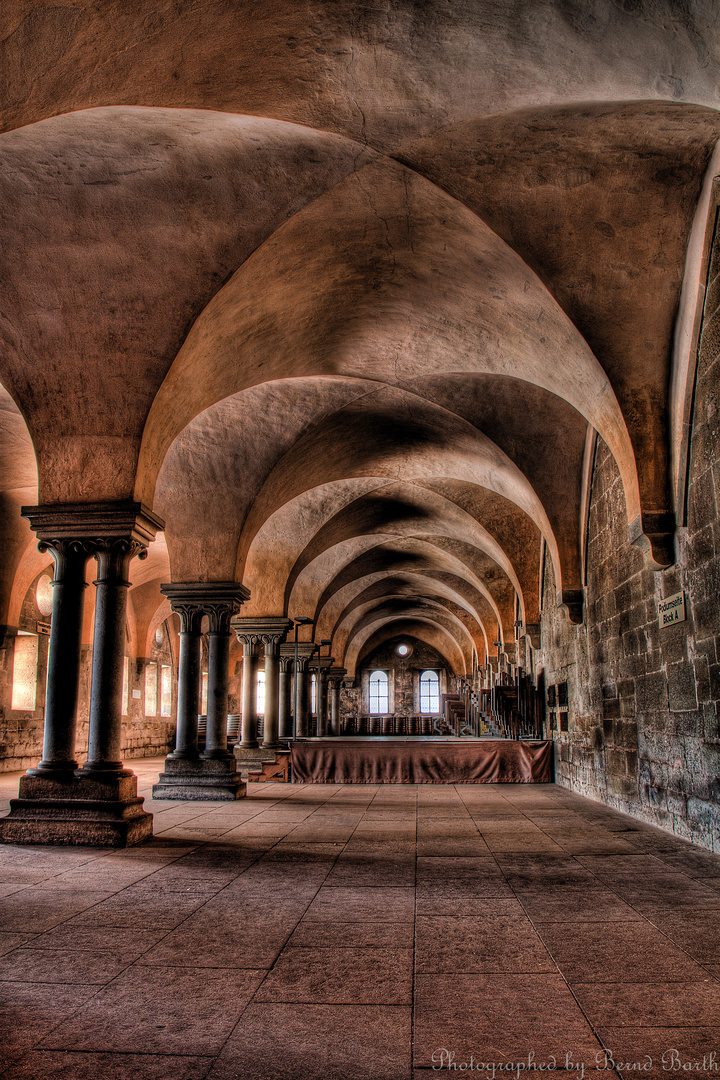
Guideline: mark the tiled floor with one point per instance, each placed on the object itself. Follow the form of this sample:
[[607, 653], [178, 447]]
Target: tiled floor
[[362, 933]]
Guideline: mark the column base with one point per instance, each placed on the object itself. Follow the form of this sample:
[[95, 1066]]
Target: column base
[[102, 812], [243, 754], [208, 779]]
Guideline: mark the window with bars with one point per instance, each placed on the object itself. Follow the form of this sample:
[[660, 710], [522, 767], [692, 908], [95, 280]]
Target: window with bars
[[429, 692], [379, 695]]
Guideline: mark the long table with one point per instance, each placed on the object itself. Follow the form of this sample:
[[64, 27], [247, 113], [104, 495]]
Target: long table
[[421, 761]]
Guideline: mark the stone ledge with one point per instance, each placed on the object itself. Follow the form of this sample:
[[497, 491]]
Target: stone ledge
[[199, 779], [77, 810]]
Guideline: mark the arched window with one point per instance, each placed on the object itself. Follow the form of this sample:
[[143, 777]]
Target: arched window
[[378, 692], [429, 692], [313, 692], [261, 693]]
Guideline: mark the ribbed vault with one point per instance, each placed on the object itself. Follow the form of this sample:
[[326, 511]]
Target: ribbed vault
[[351, 345]]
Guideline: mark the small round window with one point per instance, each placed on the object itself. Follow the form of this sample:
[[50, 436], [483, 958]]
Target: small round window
[[403, 650]]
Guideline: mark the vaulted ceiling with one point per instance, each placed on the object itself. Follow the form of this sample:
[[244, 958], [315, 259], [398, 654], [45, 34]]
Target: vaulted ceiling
[[344, 292]]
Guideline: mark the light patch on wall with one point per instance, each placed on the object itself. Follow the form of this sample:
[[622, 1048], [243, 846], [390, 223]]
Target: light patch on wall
[[25, 661], [126, 685], [166, 691], [151, 689]]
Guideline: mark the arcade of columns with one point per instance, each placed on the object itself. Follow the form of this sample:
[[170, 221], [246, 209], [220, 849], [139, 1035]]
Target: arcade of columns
[[98, 803]]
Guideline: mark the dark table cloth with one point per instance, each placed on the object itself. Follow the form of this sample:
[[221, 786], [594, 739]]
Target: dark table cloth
[[337, 761]]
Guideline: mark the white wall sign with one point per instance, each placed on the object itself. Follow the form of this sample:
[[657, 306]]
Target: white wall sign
[[672, 609]]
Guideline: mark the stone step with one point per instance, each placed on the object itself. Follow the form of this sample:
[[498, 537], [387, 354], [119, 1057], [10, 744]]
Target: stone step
[[275, 769]]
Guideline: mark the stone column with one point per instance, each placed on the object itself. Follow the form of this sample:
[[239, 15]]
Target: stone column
[[321, 699], [63, 669], [97, 804], [285, 719], [268, 630], [335, 677], [112, 584], [302, 691], [272, 691], [212, 774], [248, 739], [188, 697], [219, 635]]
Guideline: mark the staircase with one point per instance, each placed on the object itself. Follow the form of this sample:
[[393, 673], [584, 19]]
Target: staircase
[[274, 769]]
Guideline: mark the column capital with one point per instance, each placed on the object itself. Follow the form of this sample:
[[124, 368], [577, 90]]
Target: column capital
[[258, 630], [94, 522], [336, 673], [219, 600], [286, 662], [69, 557]]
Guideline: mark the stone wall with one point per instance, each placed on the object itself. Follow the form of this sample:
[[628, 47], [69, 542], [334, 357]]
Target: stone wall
[[643, 731], [406, 670], [643, 728]]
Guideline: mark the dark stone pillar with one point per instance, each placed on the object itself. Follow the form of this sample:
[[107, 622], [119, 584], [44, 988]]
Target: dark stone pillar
[[321, 701], [285, 720], [268, 630], [249, 693], [112, 584], [302, 698], [335, 677], [272, 673], [212, 774], [218, 680], [97, 804], [188, 697], [63, 670]]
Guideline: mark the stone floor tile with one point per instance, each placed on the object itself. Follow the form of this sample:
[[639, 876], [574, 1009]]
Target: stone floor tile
[[223, 939], [289, 850], [13, 940], [374, 903], [603, 865], [36, 909], [614, 952], [354, 976], [479, 944], [327, 934], [457, 848], [63, 965], [581, 844], [693, 932], [384, 849], [541, 875], [159, 1010], [306, 835], [666, 1004], [518, 840], [660, 1052], [352, 871], [435, 870], [499, 1018], [29, 1011], [576, 904], [144, 910], [14, 878], [61, 1065], [464, 890], [321, 1042], [123, 940], [499, 907]]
